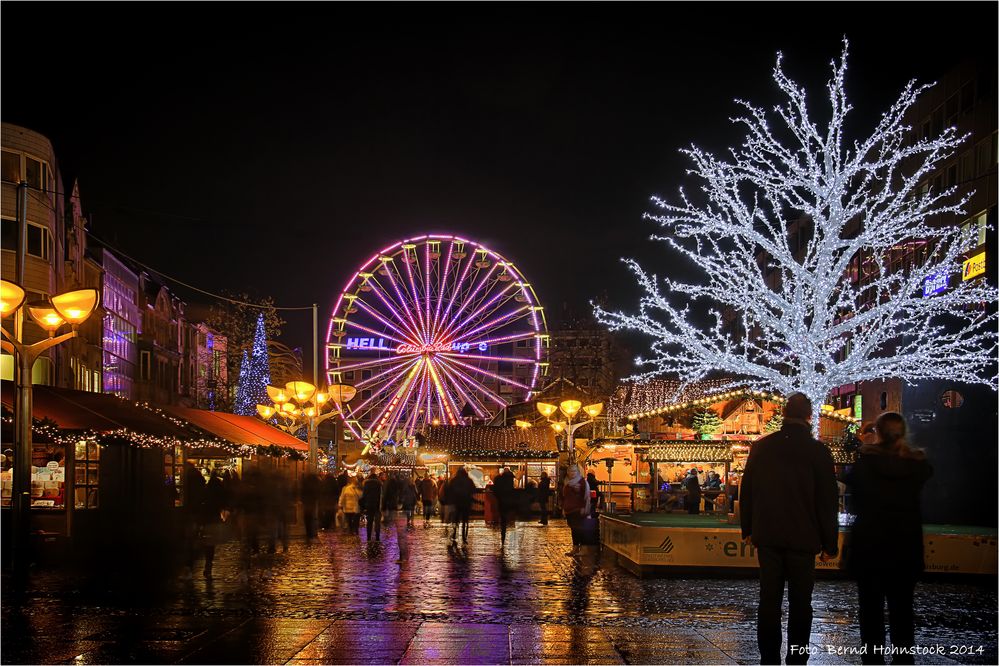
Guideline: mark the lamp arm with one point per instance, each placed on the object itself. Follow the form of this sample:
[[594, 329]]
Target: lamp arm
[[34, 351], [319, 419], [7, 346], [6, 334]]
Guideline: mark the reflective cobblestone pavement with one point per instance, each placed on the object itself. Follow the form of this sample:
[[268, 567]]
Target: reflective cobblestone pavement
[[338, 601]]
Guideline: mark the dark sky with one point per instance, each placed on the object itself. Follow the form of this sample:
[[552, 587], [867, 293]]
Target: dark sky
[[271, 148]]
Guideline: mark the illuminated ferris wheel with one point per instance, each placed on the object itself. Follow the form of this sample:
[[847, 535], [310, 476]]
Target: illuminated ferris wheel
[[434, 330]]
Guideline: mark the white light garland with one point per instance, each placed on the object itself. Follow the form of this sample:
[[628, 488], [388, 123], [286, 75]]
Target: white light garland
[[808, 327]]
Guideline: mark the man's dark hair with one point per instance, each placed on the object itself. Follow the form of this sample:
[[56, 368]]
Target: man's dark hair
[[798, 406]]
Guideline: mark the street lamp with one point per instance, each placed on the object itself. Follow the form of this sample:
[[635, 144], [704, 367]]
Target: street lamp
[[569, 409], [72, 307], [301, 404]]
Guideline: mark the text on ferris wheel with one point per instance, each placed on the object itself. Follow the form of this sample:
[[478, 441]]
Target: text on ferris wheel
[[378, 344]]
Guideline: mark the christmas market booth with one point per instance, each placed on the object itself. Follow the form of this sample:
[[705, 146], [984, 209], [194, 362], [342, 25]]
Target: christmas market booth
[[108, 472], [485, 450], [709, 427]]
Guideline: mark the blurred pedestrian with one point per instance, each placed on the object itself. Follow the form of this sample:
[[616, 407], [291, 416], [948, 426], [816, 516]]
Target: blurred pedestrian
[[428, 497], [442, 481], [789, 513], [350, 504], [211, 522], [459, 495], [371, 506], [544, 492], [329, 498], [575, 505], [407, 498], [503, 487], [596, 496], [886, 539], [310, 489], [192, 515]]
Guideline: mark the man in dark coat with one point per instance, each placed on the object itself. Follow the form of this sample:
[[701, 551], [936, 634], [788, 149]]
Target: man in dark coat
[[458, 492], [371, 506], [503, 488], [789, 512], [309, 489]]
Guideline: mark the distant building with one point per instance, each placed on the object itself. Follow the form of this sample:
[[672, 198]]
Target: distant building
[[121, 323], [586, 353], [206, 375]]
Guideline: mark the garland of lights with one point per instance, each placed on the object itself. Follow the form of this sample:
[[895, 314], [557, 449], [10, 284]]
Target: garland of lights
[[805, 323], [491, 442]]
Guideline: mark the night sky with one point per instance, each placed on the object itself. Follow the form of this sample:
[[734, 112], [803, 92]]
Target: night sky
[[272, 148]]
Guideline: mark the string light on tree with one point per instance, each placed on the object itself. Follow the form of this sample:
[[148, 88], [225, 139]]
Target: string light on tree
[[806, 321], [254, 373]]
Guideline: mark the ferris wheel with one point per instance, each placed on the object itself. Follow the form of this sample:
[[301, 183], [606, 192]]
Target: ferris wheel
[[434, 330]]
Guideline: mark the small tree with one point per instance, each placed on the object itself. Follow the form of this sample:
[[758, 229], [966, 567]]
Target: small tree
[[835, 310], [707, 423], [774, 423]]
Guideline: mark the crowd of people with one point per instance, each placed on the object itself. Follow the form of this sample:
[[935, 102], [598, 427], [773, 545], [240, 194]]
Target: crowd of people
[[788, 524]]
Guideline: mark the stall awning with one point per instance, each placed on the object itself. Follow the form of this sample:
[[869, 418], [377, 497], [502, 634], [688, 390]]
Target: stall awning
[[100, 413], [237, 429], [490, 442], [689, 451]]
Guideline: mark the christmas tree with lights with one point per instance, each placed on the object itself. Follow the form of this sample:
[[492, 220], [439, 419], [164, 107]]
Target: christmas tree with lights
[[707, 423], [825, 261], [254, 374]]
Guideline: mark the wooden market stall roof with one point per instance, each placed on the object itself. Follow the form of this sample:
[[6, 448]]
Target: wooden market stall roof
[[238, 429], [101, 414], [492, 442]]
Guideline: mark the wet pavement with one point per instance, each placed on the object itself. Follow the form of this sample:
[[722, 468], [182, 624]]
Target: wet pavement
[[338, 601]]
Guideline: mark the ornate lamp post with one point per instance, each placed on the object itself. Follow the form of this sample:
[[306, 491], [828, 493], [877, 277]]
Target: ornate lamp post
[[569, 409], [301, 404], [71, 307]]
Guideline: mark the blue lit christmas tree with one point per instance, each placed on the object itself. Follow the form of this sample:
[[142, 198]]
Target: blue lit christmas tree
[[254, 374]]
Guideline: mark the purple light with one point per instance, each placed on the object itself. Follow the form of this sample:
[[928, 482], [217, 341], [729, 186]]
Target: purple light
[[495, 322], [481, 308]]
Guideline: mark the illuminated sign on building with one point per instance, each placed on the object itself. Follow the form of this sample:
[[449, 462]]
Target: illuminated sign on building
[[379, 344], [974, 266], [934, 284]]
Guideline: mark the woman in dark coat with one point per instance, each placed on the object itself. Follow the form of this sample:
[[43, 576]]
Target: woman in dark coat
[[886, 539]]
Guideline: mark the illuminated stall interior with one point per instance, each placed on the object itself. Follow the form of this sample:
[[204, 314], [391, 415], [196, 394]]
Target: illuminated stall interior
[[485, 450]]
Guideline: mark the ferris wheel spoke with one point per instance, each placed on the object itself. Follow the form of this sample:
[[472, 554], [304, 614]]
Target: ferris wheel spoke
[[481, 312], [479, 386], [414, 415], [392, 307], [401, 409], [498, 322], [445, 399], [388, 360], [513, 337], [456, 287], [440, 290], [393, 404], [522, 360], [469, 399], [390, 374], [487, 373], [426, 290], [412, 287], [382, 334], [467, 300], [406, 305]]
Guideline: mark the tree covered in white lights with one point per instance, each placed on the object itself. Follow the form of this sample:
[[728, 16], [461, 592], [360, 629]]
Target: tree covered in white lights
[[862, 298]]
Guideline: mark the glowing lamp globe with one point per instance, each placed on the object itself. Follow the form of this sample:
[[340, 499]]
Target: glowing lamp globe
[[277, 395], [301, 391], [522, 424], [76, 306], [45, 316], [265, 411], [342, 393], [11, 297], [558, 427], [570, 407], [593, 411], [546, 409]]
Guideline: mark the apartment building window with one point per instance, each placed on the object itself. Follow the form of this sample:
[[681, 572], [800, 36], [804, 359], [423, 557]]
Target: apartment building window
[[974, 229], [35, 172], [39, 241], [8, 234], [145, 361]]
